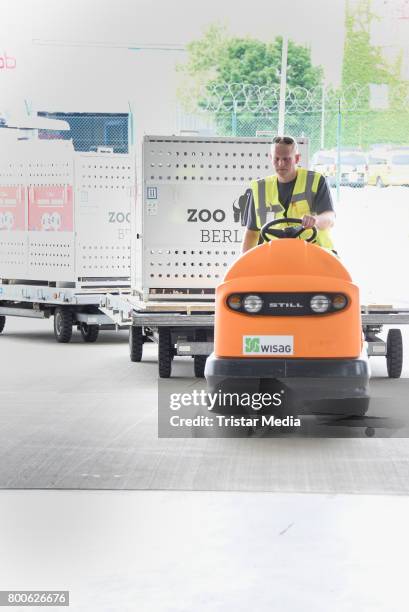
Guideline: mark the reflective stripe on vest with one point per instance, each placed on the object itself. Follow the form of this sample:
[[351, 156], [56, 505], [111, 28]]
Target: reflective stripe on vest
[[266, 199]]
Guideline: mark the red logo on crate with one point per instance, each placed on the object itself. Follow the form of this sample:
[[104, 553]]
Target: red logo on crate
[[7, 62], [12, 208], [50, 209]]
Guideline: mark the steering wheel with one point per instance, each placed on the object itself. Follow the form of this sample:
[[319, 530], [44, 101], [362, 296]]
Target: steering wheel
[[289, 232]]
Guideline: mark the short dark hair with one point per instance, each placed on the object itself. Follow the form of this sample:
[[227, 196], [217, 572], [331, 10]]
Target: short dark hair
[[288, 140]]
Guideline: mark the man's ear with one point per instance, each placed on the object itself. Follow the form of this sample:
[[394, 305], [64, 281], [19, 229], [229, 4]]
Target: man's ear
[[297, 158]]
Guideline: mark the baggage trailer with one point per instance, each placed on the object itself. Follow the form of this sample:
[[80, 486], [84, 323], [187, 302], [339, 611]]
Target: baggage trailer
[[374, 317], [186, 231], [179, 328], [70, 308], [187, 329], [64, 233]]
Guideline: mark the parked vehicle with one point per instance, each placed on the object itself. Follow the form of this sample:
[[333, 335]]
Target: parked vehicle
[[398, 167], [354, 169], [378, 168], [325, 163], [391, 168]]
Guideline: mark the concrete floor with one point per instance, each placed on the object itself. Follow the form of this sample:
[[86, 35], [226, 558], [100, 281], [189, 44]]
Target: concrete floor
[[267, 524], [81, 416], [161, 551]]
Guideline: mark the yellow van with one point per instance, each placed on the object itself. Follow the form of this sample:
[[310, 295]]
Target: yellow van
[[378, 169], [391, 168]]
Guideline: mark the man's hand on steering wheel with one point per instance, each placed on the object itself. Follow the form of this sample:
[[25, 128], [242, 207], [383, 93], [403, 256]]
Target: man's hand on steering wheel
[[268, 230], [309, 221]]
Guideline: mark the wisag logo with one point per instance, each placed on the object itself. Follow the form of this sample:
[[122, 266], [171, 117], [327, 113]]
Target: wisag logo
[[268, 345], [252, 345]]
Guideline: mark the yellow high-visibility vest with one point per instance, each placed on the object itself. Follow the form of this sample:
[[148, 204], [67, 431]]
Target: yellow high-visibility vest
[[266, 200]]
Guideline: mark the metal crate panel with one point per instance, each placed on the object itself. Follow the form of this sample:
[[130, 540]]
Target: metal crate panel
[[13, 254], [49, 163], [194, 235], [13, 212], [196, 183], [103, 260], [186, 160], [51, 256], [72, 211], [105, 192], [104, 172], [11, 171], [193, 206]]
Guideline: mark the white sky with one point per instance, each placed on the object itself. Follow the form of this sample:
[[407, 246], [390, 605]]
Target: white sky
[[319, 23], [105, 79]]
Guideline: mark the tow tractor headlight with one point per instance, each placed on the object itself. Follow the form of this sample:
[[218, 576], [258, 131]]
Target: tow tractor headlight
[[252, 304], [234, 302], [320, 303], [339, 302]]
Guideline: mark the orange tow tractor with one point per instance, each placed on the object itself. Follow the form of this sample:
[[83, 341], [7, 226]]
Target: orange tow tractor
[[288, 320]]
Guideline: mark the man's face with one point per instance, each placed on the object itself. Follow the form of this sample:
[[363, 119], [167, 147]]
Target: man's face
[[285, 160]]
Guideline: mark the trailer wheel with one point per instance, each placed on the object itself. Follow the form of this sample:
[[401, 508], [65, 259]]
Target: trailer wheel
[[2, 323], [394, 353], [63, 320], [89, 333], [199, 362], [165, 352], [135, 343]]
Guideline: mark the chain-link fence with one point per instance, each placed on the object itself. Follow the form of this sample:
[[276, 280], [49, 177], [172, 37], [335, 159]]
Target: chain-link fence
[[329, 118], [92, 131]]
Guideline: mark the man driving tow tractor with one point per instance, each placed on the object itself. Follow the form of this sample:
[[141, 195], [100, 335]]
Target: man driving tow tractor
[[292, 192]]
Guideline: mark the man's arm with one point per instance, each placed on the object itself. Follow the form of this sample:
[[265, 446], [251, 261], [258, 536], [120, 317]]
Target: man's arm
[[322, 221], [250, 239], [251, 233], [325, 220], [323, 214]]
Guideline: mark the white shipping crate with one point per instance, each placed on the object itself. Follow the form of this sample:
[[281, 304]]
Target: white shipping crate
[[64, 216], [192, 203]]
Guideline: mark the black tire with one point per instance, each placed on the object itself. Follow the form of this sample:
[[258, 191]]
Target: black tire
[[89, 333], [394, 353], [135, 343], [2, 323], [63, 324], [165, 353], [199, 362]]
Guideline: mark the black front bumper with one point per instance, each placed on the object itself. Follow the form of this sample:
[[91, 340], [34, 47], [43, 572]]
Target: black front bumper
[[310, 386]]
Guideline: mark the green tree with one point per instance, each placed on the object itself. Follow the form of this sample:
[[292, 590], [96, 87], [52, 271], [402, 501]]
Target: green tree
[[219, 66], [363, 65]]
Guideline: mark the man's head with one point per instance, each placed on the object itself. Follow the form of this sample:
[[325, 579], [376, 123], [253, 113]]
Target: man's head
[[285, 157]]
